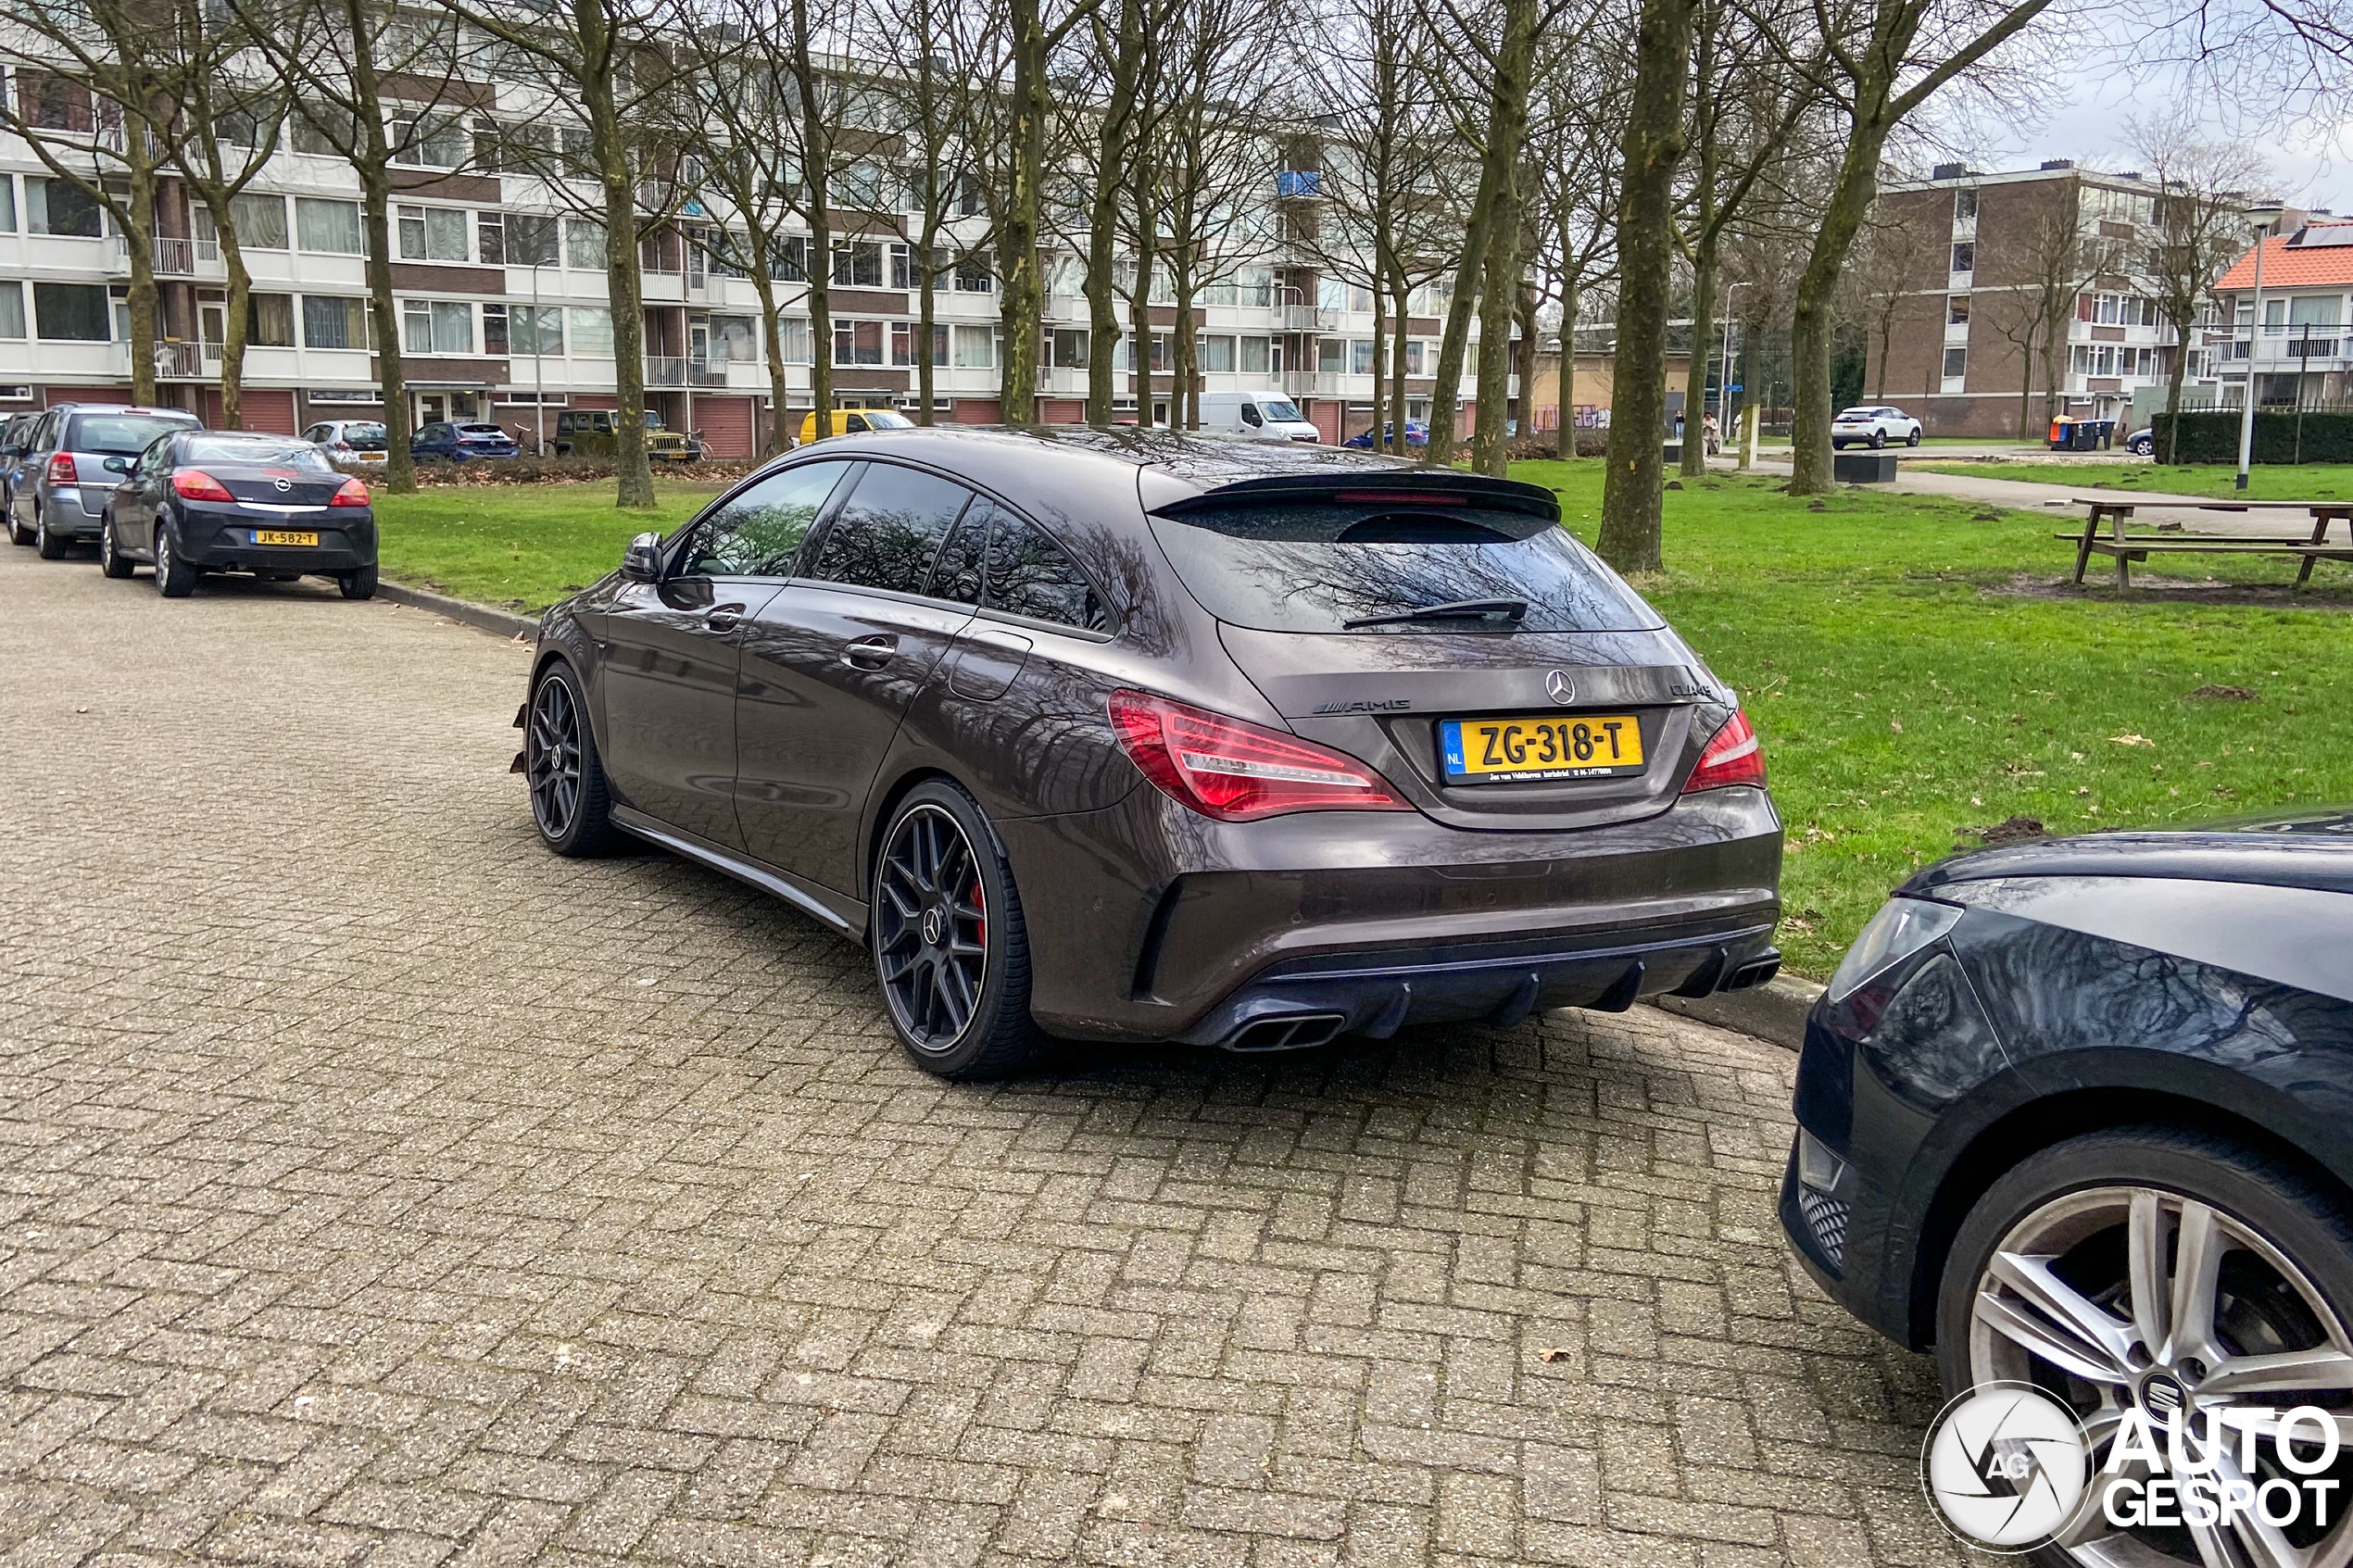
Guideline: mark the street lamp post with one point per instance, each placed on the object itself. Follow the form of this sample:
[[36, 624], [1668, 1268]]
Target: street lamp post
[[2262, 218], [1724, 387]]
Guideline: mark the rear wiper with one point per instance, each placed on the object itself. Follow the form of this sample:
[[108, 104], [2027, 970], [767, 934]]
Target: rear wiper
[[1453, 610]]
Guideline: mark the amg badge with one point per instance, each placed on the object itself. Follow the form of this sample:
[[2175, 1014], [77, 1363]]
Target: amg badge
[[1380, 705]]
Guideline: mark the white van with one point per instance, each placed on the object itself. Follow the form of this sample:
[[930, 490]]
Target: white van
[[1255, 416]]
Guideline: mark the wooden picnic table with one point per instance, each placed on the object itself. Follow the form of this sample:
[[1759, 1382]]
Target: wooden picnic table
[[2117, 511]]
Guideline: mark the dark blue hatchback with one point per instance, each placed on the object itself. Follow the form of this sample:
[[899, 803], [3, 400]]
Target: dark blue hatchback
[[2076, 1114], [461, 443]]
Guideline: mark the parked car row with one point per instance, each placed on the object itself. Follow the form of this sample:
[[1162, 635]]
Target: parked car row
[[152, 486]]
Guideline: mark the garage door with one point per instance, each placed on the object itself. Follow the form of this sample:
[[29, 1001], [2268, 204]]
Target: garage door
[[726, 425], [56, 395], [979, 411], [1061, 410], [1325, 417], [269, 411]]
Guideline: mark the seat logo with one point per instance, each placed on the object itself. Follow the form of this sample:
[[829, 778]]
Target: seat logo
[[1559, 687]]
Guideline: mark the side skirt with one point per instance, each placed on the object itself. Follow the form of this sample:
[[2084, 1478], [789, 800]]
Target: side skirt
[[843, 915]]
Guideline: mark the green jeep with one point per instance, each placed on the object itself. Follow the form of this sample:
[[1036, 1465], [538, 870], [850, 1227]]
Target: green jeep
[[592, 433]]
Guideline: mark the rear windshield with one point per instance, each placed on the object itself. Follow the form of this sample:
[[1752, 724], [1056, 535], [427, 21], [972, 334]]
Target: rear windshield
[[364, 436], [1317, 567], [247, 449], [481, 430], [119, 434]]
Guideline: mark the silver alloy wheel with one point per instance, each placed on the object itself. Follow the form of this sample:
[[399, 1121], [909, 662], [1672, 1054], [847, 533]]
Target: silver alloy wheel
[[163, 557], [2122, 1295]]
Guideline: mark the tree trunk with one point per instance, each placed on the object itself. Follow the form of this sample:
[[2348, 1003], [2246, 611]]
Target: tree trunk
[[1564, 439], [2169, 431], [624, 292], [1381, 377], [1400, 295], [375, 215], [1454, 342], [237, 305], [139, 237], [1490, 438], [1695, 460], [1630, 538], [772, 333], [1017, 231], [1811, 470], [1103, 215], [925, 365]]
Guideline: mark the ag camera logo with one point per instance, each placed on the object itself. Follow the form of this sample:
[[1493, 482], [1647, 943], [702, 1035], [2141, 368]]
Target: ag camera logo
[[2004, 1465]]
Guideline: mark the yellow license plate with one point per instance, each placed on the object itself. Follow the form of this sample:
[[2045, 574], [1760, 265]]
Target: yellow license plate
[[1550, 746], [284, 537]]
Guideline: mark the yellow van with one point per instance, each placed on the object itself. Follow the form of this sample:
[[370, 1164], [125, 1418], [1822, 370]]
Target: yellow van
[[855, 422]]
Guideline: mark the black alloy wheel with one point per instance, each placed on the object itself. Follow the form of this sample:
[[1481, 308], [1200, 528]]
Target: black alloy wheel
[[569, 800], [949, 945], [112, 561]]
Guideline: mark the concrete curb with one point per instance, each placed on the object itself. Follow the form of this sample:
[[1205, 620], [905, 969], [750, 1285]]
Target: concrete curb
[[1774, 1011], [482, 618]]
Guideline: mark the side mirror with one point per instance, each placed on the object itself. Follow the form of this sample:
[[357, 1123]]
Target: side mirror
[[641, 561], [116, 465]]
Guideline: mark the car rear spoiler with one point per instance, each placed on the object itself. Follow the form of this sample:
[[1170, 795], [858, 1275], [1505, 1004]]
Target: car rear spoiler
[[1425, 487]]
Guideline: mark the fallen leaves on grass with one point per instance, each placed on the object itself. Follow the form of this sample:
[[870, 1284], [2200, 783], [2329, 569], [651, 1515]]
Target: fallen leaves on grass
[[2009, 830], [2226, 693], [2130, 740]]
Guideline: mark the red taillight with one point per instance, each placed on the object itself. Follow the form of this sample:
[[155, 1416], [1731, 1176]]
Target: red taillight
[[194, 484], [352, 494], [1236, 771], [1732, 757], [61, 469]]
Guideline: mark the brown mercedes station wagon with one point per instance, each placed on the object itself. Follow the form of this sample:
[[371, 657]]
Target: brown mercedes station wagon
[[1125, 736]]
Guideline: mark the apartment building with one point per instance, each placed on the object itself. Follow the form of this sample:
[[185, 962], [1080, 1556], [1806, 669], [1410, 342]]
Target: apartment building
[[503, 311], [2302, 356], [1984, 255]]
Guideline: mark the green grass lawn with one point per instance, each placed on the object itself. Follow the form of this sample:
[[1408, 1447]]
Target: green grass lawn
[[2265, 482], [522, 547], [1905, 697], [1912, 673]]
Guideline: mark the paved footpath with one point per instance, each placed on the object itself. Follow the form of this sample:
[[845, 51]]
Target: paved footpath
[[377, 1188]]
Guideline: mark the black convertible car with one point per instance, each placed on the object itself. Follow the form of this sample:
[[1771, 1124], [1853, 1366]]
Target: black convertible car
[[2076, 1113], [1141, 736]]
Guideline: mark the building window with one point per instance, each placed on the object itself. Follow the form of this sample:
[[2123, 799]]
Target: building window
[[1254, 286], [437, 326], [11, 310], [1331, 356], [857, 264], [795, 341], [1965, 257], [1073, 348], [260, 220], [789, 263], [1416, 351], [8, 207], [432, 234], [2274, 317], [583, 244], [270, 320], [591, 328], [1957, 311], [427, 143], [1956, 363], [534, 330], [975, 348], [1217, 353], [1255, 355], [70, 312], [974, 277], [334, 321], [60, 206], [331, 228], [1360, 356], [735, 339], [857, 343], [1964, 208], [906, 335]]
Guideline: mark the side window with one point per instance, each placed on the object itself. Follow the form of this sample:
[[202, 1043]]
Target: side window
[[1029, 574], [888, 531], [757, 532], [854, 425], [957, 576], [1251, 415]]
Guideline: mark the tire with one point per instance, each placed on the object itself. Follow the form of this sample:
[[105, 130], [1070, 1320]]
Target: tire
[[959, 1001], [360, 584], [1913, 439], [1878, 439], [1838, 446], [18, 532], [48, 544], [175, 579], [2283, 1282], [571, 802], [112, 561]]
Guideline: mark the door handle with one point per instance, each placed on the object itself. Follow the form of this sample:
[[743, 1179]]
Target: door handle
[[869, 653], [722, 618]]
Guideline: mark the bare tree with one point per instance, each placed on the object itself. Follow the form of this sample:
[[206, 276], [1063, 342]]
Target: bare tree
[[1882, 273], [2198, 229], [1033, 41], [1576, 157]]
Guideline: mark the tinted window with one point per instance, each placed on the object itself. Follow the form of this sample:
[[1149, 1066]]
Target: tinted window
[[1029, 574], [957, 575], [890, 528], [275, 452], [366, 438], [120, 434], [1314, 567], [757, 531]]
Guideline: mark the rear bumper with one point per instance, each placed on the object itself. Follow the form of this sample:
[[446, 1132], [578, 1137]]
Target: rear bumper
[[223, 542]]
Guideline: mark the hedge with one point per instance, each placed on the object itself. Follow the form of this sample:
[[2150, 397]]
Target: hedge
[[2213, 436]]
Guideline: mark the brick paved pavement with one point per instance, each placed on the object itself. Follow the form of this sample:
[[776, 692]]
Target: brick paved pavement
[[377, 1188]]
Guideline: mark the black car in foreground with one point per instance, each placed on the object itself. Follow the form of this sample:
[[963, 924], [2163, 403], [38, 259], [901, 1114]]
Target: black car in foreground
[[1133, 736], [203, 501], [2076, 1113]]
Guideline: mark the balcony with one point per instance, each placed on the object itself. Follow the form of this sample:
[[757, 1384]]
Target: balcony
[[1067, 308], [1309, 319], [1299, 184], [665, 369], [701, 373], [1313, 383], [180, 361]]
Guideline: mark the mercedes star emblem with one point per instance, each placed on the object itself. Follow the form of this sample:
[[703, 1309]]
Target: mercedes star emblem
[[1559, 687]]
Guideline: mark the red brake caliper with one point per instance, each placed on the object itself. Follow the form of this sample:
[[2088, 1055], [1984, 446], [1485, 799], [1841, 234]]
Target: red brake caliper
[[980, 902]]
